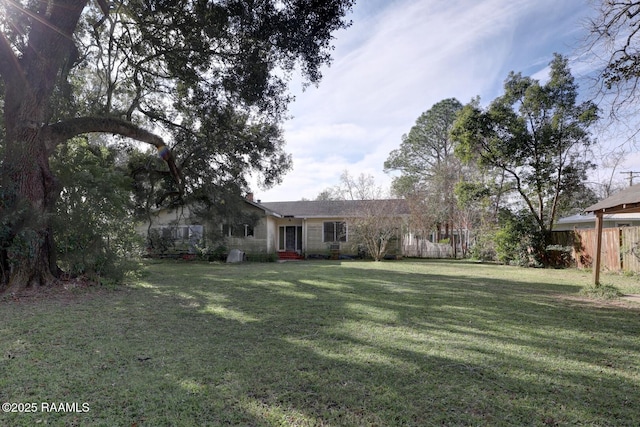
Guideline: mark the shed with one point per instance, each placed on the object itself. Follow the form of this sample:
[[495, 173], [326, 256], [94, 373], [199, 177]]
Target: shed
[[625, 201]]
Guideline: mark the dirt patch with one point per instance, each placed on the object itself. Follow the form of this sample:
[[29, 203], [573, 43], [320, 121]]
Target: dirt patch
[[635, 298], [65, 291], [630, 302]]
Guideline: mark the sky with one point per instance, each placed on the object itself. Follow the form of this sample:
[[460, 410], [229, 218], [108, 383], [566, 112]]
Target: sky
[[398, 59]]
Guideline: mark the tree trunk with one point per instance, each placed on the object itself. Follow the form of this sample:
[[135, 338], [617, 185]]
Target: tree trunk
[[32, 188]]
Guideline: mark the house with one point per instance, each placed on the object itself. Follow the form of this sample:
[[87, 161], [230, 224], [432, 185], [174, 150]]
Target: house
[[290, 229]]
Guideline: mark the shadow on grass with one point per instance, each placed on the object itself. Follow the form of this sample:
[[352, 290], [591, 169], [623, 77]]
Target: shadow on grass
[[342, 344]]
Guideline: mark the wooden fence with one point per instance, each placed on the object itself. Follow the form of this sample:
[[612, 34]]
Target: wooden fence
[[620, 247]]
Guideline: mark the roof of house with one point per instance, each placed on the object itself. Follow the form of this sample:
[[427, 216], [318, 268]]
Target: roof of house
[[337, 208], [627, 200]]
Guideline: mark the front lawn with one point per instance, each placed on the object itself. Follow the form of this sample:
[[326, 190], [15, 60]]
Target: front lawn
[[414, 343]]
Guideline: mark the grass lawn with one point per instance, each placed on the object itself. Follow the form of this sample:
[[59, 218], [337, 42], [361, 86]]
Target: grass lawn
[[415, 343]]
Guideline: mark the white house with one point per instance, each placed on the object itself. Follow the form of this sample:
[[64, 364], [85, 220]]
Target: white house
[[290, 229]]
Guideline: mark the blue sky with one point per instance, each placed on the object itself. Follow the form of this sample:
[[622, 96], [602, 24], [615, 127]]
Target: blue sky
[[398, 59]]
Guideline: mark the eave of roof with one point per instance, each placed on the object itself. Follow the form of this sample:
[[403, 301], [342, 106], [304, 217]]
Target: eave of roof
[[627, 200], [262, 207], [334, 208], [590, 217]]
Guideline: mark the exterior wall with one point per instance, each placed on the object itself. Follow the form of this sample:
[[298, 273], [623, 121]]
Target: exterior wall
[[315, 243], [262, 241], [166, 218], [259, 243], [175, 232]]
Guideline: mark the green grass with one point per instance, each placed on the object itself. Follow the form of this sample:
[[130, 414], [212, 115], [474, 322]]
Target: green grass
[[327, 344]]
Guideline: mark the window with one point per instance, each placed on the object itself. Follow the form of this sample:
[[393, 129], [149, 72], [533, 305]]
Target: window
[[237, 230], [334, 231], [181, 233]]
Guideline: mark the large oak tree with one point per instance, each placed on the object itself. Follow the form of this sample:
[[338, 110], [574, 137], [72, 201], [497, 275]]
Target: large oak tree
[[165, 73]]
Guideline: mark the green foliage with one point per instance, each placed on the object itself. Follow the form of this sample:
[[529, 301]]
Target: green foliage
[[93, 229], [428, 168], [509, 244], [158, 244], [210, 77], [427, 146], [484, 247], [536, 135], [262, 257], [516, 239], [469, 192], [215, 252], [559, 256]]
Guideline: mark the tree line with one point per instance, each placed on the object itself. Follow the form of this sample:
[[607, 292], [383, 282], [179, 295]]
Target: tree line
[[506, 171]]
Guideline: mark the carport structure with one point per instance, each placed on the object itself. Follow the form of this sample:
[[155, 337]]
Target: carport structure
[[625, 201]]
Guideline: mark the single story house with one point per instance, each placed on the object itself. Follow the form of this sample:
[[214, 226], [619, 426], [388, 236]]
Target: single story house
[[290, 229]]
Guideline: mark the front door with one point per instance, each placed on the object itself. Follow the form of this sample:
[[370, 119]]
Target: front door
[[290, 238]]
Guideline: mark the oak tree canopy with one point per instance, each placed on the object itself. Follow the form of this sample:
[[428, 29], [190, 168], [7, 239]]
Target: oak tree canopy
[[203, 81]]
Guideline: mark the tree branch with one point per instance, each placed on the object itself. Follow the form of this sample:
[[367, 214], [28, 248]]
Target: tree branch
[[60, 132]]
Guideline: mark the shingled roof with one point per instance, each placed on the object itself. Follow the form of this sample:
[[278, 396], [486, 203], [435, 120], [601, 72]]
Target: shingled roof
[[336, 208], [627, 200]]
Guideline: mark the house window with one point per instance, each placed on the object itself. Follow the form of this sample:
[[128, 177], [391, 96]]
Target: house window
[[181, 233], [237, 230], [334, 231]]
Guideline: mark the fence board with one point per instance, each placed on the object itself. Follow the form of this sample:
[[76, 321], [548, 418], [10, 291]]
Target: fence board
[[585, 248], [630, 248]]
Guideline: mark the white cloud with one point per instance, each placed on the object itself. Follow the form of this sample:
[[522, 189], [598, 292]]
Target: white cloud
[[396, 61]]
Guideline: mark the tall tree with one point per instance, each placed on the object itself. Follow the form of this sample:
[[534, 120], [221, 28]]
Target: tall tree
[[429, 168], [149, 71], [538, 135]]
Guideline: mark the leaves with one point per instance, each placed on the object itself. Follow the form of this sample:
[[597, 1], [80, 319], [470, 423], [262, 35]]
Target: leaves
[[537, 135]]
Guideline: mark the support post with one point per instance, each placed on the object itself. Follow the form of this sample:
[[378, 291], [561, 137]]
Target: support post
[[597, 249]]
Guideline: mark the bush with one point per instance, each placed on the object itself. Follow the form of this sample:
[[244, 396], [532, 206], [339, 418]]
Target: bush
[[558, 256], [157, 244], [262, 257], [483, 248], [93, 227]]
